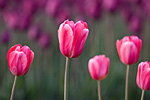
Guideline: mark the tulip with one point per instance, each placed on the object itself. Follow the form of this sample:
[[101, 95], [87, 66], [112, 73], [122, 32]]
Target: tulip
[[71, 38], [98, 68], [143, 77], [129, 50], [19, 59]]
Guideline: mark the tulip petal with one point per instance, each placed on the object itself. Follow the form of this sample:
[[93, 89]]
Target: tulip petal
[[30, 55], [118, 46], [11, 50], [79, 26], [65, 36], [128, 53], [93, 67], [145, 79], [103, 66], [78, 47], [17, 62], [137, 42]]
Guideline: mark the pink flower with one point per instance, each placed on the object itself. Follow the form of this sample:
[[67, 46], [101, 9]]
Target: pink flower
[[98, 67], [129, 49], [19, 59], [72, 38], [143, 76]]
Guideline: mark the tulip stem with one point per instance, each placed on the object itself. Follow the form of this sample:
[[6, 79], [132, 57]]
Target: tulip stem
[[66, 80], [99, 90], [127, 78], [142, 96], [13, 88]]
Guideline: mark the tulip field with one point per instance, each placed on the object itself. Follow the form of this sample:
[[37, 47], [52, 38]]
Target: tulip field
[[74, 49]]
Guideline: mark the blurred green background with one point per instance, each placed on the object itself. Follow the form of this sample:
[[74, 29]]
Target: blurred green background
[[45, 78]]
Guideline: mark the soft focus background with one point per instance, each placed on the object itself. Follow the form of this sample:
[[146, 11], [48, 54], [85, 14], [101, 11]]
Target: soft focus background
[[35, 23]]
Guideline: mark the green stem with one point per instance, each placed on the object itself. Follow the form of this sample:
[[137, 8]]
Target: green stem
[[13, 88], [66, 80], [99, 90], [127, 78], [142, 96]]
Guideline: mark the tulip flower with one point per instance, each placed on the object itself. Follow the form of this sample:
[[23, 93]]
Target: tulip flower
[[71, 38], [129, 50], [98, 67], [19, 59], [143, 77]]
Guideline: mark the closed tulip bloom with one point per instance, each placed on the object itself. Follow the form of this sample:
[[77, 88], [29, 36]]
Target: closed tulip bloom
[[129, 49], [143, 76], [19, 59], [72, 38], [98, 67]]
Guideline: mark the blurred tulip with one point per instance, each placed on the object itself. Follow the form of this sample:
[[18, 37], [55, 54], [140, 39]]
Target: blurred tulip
[[2, 3], [24, 21], [98, 67], [19, 59], [135, 24], [126, 13], [52, 7], [44, 40], [110, 5], [93, 9], [143, 76], [5, 38], [34, 32], [129, 49], [10, 19], [72, 38], [28, 6], [40, 3], [17, 20], [62, 15]]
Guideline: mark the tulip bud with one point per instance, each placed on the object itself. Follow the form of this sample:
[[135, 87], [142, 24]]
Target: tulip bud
[[129, 49], [19, 59], [143, 76], [98, 67], [72, 38]]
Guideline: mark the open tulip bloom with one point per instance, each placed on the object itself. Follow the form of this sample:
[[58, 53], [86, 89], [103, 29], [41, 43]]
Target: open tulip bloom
[[98, 67], [72, 37], [143, 77], [129, 50], [19, 59]]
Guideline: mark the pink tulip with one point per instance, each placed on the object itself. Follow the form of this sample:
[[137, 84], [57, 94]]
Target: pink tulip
[[129, 49], [72, 38], [19, 59], [98, 67], [143, 76]]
